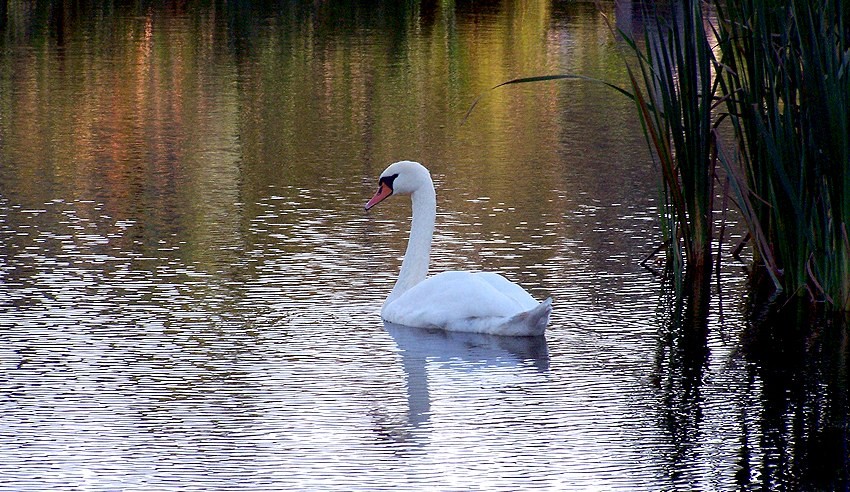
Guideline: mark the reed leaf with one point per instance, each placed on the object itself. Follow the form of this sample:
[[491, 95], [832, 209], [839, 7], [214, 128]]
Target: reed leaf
[[786, 67], [781, 82], [674, 88], [543, 78]]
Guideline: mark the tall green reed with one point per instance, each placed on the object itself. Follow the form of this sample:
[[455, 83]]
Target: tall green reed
[[779, 74], [673, 87], [785, 68]]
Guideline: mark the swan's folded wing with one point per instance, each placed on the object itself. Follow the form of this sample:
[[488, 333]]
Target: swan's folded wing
[[443, 298], [508, 289]]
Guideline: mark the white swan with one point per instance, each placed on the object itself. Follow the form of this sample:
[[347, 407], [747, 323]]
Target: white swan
[[455, 301]]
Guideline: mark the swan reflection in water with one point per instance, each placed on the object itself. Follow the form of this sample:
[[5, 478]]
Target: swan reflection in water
[[469, 358]]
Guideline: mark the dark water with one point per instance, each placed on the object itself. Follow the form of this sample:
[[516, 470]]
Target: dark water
[[190, 289]]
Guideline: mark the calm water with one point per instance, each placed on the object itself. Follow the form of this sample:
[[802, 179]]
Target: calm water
[[190, 288]]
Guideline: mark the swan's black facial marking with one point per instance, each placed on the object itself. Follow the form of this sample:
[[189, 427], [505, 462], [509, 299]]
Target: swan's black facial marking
[[385, 189], [388, 180]]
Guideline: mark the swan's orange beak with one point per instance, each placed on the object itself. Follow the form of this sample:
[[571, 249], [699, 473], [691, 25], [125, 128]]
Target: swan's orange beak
[[383, 192]]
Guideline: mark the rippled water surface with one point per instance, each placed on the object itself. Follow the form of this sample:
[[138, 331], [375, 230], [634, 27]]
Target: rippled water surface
[[190, 288]]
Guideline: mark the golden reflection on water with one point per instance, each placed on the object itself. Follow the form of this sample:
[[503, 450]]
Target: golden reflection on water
[[169, 115]]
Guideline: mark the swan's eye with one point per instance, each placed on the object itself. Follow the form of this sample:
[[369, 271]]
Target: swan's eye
[[388, 180]]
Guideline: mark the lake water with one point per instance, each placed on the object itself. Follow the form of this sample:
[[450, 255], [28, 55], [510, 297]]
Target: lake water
[[190, 287]]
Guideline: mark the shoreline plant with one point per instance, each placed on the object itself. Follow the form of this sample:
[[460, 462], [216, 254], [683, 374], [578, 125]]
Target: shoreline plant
[[784, 74], [777, 75]]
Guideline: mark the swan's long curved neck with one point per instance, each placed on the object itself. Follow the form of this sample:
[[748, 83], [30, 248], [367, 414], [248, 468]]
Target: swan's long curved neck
[[414, 267]]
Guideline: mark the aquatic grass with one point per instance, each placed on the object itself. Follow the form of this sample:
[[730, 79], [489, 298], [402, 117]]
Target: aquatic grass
[[778, 74], [673, 89], [542, 78], [783, 78], [787, 69]]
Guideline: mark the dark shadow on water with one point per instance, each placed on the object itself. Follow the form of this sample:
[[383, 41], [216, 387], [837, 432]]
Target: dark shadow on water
[[681, 361], [800, 360], [787, 384], [468, 352]]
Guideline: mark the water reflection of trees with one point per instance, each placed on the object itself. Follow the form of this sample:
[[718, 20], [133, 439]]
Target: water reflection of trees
[[799, 364], [782, 394]]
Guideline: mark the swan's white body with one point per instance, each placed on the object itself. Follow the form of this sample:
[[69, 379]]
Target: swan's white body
[[457, 301]]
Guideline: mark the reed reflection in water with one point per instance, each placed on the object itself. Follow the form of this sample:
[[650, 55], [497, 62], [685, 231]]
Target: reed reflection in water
[[189, 288]]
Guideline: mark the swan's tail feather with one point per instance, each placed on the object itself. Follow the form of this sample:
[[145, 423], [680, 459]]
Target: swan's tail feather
[[531, 323]]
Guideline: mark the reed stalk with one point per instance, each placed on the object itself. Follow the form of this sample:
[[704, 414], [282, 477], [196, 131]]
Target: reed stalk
[[786, 69], [782, 74], [779, 75], [673, 87]]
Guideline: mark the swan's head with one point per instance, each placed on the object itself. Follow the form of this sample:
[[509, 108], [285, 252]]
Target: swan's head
[[401, 178]]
